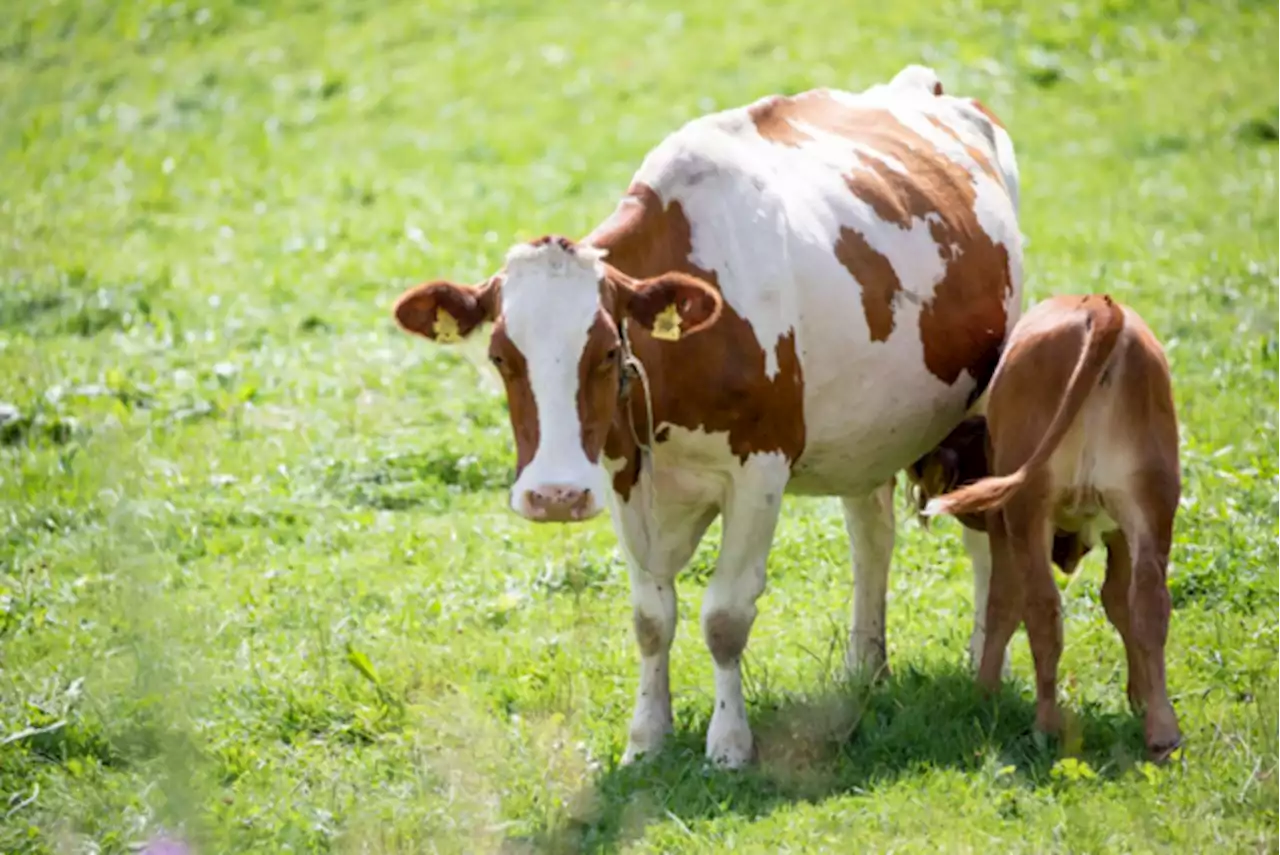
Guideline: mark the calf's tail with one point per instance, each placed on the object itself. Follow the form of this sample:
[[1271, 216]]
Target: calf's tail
[[1103, 324]]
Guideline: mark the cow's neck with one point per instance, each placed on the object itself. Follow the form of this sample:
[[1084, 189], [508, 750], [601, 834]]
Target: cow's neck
[[644, 238]]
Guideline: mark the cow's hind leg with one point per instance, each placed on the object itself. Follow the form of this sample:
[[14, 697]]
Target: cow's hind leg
[[729, 607], [869, 521], [657, 547], [1004, 604], [978, 545]]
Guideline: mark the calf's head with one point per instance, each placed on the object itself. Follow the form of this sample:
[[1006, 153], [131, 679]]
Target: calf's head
[[557, 310]]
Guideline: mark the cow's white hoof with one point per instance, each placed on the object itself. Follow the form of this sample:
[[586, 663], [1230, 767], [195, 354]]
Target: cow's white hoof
[[646, 740], [865, 659], [729, 744]]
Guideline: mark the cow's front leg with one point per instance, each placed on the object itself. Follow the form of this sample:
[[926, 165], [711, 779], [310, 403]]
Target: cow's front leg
[[658, 540], [869, 521], [653, 615], [729, 607]]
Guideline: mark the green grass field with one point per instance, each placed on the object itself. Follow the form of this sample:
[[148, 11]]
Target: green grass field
[[258, 585]]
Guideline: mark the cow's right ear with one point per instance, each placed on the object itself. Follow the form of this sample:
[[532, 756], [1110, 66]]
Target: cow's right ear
[[446, 312]]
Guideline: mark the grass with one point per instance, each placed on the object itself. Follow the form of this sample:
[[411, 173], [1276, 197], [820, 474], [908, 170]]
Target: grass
[[257, 584]]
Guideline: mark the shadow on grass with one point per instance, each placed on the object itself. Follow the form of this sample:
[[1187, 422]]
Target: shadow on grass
[[845, 739]]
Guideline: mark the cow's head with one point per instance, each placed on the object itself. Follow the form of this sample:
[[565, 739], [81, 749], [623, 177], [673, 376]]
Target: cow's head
[[557, 309]]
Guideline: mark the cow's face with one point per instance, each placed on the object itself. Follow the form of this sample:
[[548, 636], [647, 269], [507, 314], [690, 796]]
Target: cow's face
[[557, 308]]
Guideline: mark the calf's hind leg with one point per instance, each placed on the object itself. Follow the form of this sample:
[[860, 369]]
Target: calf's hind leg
[[1115, 601], [1029, 535], [1148, 525]]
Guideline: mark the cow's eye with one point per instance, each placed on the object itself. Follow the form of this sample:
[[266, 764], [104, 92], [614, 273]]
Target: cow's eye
[[610, 358], [497, 361]]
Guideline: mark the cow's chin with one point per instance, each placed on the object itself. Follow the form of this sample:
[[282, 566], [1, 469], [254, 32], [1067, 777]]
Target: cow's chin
[[555, 497]]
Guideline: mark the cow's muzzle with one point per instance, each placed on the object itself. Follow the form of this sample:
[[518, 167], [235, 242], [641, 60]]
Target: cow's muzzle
[[558, 503]]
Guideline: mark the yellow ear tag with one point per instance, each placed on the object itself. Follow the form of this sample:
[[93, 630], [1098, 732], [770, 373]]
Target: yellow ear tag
[[446, 327], [666, 324]]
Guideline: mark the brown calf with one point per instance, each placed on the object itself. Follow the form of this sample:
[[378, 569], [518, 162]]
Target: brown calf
[[1083, 438]]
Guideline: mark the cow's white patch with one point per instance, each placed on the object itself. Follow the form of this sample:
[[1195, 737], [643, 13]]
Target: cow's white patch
[[550, 297]]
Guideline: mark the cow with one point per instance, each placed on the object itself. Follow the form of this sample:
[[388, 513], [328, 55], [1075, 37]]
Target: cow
[[1083, 437], [797, 296]]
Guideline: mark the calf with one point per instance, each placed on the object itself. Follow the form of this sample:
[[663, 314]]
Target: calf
[[1083, 438], [958, 461]]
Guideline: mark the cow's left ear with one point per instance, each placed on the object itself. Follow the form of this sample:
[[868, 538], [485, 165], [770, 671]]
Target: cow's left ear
[[673, 305]]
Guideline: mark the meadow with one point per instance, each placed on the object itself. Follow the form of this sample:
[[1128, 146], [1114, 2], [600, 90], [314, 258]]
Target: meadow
[[259, 588]]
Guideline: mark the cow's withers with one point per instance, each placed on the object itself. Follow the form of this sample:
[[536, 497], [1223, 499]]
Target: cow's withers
[[557, 309]]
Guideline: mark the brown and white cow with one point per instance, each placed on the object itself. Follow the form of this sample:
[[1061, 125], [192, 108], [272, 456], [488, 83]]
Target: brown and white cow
[[816, 289], [1083, 438]]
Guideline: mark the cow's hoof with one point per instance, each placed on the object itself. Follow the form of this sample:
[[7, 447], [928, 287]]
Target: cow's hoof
[[731, 749], [865, 661], [645, 740]]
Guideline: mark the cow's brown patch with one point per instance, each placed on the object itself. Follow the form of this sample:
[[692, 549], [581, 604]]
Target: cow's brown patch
[[879, 281], [963, 325], [714, 381], [598, 376], [726, 636], [522, 406], [648, 634], [772, 116]]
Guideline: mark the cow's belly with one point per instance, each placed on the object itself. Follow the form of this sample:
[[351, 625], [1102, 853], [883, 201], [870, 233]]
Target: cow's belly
[[872, 407], [864, 425]]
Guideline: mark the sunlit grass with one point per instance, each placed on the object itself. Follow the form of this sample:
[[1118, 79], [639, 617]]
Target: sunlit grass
[[258, 586]]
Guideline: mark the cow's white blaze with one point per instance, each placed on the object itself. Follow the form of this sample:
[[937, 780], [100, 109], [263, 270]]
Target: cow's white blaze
[[550, 297]]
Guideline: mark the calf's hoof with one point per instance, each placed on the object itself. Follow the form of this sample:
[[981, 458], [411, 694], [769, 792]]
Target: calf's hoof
[[1162, 735], [1048, 718]]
